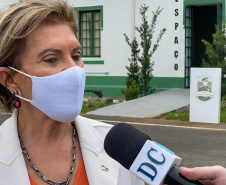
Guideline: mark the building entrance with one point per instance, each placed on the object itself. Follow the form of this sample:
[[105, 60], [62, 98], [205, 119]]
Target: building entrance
[[200, 21], [205, 19]]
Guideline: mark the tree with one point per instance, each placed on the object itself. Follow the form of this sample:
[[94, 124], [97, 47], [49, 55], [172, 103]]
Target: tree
[[133, 69], [146, 34], [141, 76], [216, 53], [131, 91]]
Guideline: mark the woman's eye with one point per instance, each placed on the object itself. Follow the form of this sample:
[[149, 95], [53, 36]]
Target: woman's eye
[[76, 57], [51, 60]]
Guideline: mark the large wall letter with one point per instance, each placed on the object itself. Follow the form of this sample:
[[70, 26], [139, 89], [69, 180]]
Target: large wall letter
[[176, 40], [176, 25], [176, 12], [175, 54]]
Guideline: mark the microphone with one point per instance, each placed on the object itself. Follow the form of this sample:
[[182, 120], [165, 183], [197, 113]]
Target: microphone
[[148, 160]]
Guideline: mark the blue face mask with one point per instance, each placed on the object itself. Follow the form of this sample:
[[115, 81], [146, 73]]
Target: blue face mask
[[59, 96]]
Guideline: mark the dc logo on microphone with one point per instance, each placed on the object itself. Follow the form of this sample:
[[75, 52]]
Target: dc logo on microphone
[[153, 162], [151, 166]]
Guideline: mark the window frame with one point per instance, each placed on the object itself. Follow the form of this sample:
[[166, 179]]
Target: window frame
[[92, 60], [90, 29], [204, 2]]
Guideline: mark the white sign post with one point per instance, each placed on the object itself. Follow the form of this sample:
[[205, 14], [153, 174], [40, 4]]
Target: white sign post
[[205, 95]]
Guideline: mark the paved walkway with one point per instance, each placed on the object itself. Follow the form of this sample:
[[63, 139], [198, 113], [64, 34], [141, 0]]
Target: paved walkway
[[150, 106]]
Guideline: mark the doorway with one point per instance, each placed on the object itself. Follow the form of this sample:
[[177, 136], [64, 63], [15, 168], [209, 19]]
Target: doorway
[[200, 24], [205, 19]]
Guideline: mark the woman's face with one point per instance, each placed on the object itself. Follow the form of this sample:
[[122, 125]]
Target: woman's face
[[50, 49]]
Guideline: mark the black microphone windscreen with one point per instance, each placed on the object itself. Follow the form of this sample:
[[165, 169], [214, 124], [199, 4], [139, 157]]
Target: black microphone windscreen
[[123, 143]]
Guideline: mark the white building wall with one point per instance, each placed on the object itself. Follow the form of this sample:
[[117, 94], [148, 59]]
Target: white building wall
[[117, 20], [5, 3], [164, 55]]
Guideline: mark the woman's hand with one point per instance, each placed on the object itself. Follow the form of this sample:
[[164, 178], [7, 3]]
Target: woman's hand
[[213, 175]]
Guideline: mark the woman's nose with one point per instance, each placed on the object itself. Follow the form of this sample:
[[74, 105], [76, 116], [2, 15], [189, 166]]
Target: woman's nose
[[81, 63], [71, 63]]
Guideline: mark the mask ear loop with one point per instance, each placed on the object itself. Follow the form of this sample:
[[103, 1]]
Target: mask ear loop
[[20, 72], [25, 75], [25, 99], [22, 97]]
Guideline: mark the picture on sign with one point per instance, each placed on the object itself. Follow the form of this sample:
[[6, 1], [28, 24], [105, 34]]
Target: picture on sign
[[204, 88]]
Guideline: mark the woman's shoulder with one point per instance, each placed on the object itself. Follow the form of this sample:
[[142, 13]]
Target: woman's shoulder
[[93, 128], [93, 123], [7, 123], [10, 145]]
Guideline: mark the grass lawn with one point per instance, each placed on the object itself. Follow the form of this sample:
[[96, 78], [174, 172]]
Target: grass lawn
[[223, 116], [86, 108], [185, 116], [179, 116]]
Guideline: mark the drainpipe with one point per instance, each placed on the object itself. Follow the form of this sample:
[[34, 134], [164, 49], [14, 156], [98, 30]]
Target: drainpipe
[[133, 11]]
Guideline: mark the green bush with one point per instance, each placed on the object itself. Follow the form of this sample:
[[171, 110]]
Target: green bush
[[132, 91], [216, 53], [223, 88], [102, 102], [223, 103], [93, 104]]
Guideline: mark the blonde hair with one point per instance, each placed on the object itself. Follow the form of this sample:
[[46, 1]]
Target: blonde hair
[[18, 21]]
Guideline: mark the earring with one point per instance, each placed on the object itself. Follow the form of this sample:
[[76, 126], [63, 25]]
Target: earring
[[16, 103]]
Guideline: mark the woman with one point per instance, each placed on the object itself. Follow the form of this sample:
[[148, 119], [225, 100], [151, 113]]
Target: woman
[[42, 75]]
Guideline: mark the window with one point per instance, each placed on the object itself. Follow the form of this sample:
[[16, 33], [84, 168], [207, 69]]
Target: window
[[90, 33]]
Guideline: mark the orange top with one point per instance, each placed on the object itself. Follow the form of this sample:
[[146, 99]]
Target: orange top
[[81, 177]]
